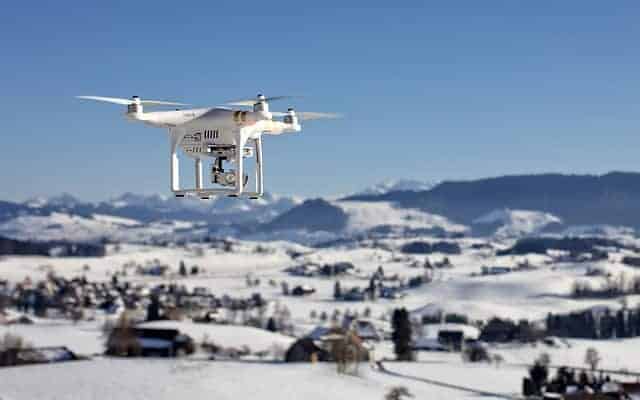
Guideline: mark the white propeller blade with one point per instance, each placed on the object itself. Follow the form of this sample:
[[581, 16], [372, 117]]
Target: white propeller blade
[[308, 115], [250, 102], [115, 100], [127, 102]]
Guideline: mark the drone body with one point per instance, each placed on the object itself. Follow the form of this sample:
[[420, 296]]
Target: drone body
[[222, 135]]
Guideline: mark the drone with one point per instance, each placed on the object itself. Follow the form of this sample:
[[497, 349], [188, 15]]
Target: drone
[[221, 135]]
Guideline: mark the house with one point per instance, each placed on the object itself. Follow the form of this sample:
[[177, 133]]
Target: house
[[305, 350], [327, 344], [495, 270], [391, 292], [302, 290], [452, 339], [445, 337], [150, 341], [38, 355], [428, 344], [366, 330], [353, 294], [306, 270]]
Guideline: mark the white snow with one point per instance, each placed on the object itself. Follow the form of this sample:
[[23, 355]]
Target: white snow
[[515, 223], [397, 185], [226, 335], [67, 227], [519, 294], [364, 216]]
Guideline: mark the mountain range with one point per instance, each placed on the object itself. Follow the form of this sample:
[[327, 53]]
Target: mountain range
[[505, 206]]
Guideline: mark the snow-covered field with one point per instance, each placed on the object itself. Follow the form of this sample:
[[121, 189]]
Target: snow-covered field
[[527, 294], [194, 380], [462, 289]]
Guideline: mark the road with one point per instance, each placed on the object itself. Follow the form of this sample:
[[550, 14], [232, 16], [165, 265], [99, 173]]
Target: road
[[383, 369]]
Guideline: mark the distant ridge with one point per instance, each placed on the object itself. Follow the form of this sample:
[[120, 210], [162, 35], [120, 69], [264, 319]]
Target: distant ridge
[[612, 198]]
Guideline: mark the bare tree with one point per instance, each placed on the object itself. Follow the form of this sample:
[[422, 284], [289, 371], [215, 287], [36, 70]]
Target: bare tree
[[592, 358], [122, 340], [397, 393], [497, 360], [544, 359], [11, 341]]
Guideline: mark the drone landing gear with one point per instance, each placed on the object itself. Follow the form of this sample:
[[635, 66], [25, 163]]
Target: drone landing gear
[[227, 179]]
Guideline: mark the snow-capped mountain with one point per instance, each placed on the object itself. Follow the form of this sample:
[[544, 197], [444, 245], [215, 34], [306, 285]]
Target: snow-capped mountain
[[318, 220], [61, 201], [396, 186], [134, 217], [508, 206], [599, 230], [506, 223], [219, 210], [59, 226]]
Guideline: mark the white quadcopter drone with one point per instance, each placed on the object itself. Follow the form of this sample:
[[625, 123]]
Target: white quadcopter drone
[[219, 133]]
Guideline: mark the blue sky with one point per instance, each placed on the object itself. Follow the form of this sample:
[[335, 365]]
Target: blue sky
[[430, 90]]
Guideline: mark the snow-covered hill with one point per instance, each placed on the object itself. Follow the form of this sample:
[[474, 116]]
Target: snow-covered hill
[[316, 221], [506, 223], [367, 216], [59, 226]]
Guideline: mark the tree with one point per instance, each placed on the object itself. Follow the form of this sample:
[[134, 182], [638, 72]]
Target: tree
[[323, 316], [539, 374], [122, 340], [543, 359], [11, 341], [372, 289], [271, 325], [153, 309], [397, 393], [183, 268], [497, 360], [592, 358], [337, 291], [401, 335], [475, 353]]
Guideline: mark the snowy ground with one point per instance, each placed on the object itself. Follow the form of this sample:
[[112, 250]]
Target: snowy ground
[[193, 380], [521, 294]]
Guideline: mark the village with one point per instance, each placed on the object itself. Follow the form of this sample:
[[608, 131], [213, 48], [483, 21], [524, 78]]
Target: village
[[356, 309]]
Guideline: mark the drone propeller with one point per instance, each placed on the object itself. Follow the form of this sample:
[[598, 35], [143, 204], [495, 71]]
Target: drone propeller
[[308, 115], [132, 100], [258, 99]]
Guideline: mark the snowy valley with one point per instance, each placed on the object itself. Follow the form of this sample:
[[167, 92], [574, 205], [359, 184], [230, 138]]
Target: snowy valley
[[263, 296]]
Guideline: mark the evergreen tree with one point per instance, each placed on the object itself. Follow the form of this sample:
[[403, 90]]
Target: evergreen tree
[[401, 335], [337, 291], [372, 289], [271, 325], [153, 310], [621, 327], [183, 269]]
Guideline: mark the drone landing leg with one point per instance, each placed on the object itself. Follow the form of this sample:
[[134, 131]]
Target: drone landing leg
[[239, 164], [259, 174], [199, 185], [175, 165]]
